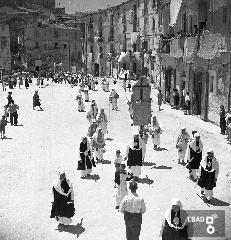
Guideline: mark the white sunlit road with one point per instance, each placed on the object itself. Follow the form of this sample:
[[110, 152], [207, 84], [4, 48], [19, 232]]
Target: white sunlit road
[[49, 139]]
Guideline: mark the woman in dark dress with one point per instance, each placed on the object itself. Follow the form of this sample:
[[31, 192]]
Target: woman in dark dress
[[26, 83], [86, 159], [63, 200], [174, 226], [208, 173], [36, 100], [222, 119]]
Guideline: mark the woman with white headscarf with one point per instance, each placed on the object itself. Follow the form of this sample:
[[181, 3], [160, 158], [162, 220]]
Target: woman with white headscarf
[[86, 160], [207, 176], [62, 200], [134, 155], [155, 132], [98, 143], [102, 121], [174, 226], [182, 144], [195, 156]]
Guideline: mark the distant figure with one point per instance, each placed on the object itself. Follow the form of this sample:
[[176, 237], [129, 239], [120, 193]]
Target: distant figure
[[160, 99], [222, 119], [3, 123], [13, 113], [36, 101]]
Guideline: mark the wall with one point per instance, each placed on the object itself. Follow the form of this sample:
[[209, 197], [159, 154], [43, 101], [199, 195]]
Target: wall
[[5, 56]]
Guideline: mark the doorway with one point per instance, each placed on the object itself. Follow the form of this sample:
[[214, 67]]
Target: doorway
[[168, 74], [96, 70], [197, 91]]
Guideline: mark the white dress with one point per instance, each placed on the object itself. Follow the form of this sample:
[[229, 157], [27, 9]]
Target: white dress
[[121, 189]]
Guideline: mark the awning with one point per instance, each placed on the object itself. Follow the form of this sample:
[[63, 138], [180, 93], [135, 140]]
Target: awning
[[175, 6], [124, 56]]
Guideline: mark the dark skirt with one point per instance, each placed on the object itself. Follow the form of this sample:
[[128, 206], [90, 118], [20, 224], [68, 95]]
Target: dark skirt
[[170, 233], [36, 102], [187, 105], [195, 159], [134, 157], [207, 180], [86, 162], [222, 123], [60, 207]]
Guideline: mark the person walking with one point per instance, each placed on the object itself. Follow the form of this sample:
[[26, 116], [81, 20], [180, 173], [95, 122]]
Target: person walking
[[222, 119], [155, 132], [91, 114], [13, 113], [133, 207], [176, 98], [187, 104], [160, 99], [174, 226], [207, 176], [134, 155], [115, 97], [102, 121], [36, 101], [9, 98], [86, 160], [195, 156], [181, 145], [98, 144], [79, 98], [3, 123], [27, 83], [121, 181], [62, 200]]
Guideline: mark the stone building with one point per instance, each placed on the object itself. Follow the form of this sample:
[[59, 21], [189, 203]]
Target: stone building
[[5, 57], [50, 44]]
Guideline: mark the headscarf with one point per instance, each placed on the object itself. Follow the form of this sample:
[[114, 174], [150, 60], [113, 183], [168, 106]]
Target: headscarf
[[193, 143], [62, 187], [88, 146], [156, 124], [215, 164], [131, 143], [183, 215]]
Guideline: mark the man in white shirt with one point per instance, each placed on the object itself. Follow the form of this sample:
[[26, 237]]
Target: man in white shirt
[[133, 206]]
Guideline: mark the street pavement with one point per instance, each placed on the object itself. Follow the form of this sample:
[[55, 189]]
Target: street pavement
[[48, 140]]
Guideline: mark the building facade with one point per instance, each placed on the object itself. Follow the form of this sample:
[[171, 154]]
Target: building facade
[[48, 45], [181, 44], [5, 56]]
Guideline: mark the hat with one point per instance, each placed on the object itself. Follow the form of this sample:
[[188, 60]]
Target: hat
[[210, 151], [118, 151]]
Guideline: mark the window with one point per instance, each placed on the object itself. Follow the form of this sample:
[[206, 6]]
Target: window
[[153, 24], [184, 23], [212, 81], [160, 19], [65, 46], [190, 27], [224, 16], [56, 34], [56, 45], [36, 45], [91, 49], [134, 47]]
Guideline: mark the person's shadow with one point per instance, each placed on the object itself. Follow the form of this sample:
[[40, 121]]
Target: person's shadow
[[218, 202], [75, 230], [94, 177], [145, 180]]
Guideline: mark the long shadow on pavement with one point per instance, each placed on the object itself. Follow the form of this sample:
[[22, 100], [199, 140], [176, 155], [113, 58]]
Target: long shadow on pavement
[[161, 167], [75, 230], [145, 181], [218, 202], [109, 139], [148, 164], [106, 162], [161, 149], [94, 177]]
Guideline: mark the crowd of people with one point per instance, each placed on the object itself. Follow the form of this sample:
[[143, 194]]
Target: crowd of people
[[203, 171]]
